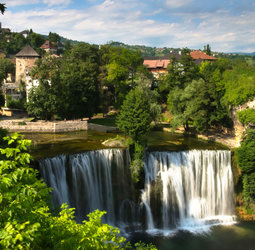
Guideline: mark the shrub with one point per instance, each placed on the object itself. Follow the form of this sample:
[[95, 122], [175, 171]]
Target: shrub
[[246, 116]]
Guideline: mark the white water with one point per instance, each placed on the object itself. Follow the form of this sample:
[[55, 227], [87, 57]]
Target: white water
[[197, 189], [183, 190]]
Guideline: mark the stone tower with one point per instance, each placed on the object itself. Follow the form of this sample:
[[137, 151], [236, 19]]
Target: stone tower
[[25, 60]]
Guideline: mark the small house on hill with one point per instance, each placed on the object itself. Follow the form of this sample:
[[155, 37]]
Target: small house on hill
[[49, 47], [157, 65], [199, 57], [25, 33]]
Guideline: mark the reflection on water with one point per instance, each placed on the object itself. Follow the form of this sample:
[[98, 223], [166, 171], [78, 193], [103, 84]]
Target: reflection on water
[[52, 144], [240, 236]]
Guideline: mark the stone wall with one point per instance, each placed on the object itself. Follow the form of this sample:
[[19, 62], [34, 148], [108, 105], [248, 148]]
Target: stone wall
[[42, 126], [23, 64], [238, 127], [101, 128]]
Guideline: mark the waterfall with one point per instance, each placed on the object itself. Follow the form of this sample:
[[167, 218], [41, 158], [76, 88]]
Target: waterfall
[[197, 189], [84, 181], [182, 190]]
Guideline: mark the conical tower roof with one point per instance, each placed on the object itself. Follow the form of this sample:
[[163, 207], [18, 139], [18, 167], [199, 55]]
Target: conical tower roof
[[28, 51]]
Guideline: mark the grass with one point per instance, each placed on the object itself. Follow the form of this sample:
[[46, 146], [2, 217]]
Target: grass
[[106, 121]]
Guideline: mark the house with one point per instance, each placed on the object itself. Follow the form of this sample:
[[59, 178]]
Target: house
[[158, 65], [25, 33], [199, 57], [49, 47]]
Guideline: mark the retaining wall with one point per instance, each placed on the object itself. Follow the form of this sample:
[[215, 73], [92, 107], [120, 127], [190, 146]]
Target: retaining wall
[[42, 126]]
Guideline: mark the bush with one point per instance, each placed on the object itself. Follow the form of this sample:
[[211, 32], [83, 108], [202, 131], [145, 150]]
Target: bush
[[15, 104], [246, 116], [246, 161], [1, 99]]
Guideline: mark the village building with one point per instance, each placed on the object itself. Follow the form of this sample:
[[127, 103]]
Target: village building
[[49, 47], [158, 65], [25, 61], [199, 57], [25, 33]]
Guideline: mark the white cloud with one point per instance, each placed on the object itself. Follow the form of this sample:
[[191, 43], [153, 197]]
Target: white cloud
[[173, 4], [124, 21], [12, 3]]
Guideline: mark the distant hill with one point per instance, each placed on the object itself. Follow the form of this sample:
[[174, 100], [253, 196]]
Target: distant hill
[[145, 50], [244, 54]]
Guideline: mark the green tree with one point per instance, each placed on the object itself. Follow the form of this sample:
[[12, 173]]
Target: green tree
[[44, 101], [239, 83], [6, 67], [36, 40], [54, 37], [207, 50], [68, 88], [135, 119], [180, 75], [246, 116], [120, 66], [246, 161]]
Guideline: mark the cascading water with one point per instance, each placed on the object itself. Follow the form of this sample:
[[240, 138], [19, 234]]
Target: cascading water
[[196, 189], [184, 190]]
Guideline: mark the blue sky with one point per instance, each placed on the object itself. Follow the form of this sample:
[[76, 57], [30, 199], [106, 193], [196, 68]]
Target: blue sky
[[227, 25]]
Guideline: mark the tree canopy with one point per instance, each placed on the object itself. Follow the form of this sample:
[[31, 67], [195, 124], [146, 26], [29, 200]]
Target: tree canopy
[[68, 88]]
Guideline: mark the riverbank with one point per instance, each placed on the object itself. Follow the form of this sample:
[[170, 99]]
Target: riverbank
[[26, 125]]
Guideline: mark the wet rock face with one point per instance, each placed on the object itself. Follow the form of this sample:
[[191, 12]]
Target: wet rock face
[[238, 127]]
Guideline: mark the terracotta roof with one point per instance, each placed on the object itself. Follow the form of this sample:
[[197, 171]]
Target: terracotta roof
[[48, 45], [197, 54], [28, 51], [152, 64]]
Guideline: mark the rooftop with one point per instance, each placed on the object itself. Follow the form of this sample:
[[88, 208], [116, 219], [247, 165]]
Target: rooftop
[[28, 51]]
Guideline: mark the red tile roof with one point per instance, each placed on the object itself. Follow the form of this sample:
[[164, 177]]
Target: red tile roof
[[197, 54], [48, 45], [152, 64]]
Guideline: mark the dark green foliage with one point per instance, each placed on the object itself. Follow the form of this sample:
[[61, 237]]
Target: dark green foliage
[[180, 75], [119, 68], [68, 88], [15, 44], [54, 37], [134, 117], [15, 104], [6, 66], [2, 99], [207, 50], [239, 84], [36, 41], [246, 116], [246, 161]]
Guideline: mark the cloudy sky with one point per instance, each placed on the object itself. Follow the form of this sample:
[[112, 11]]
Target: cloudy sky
[[227, 25]]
